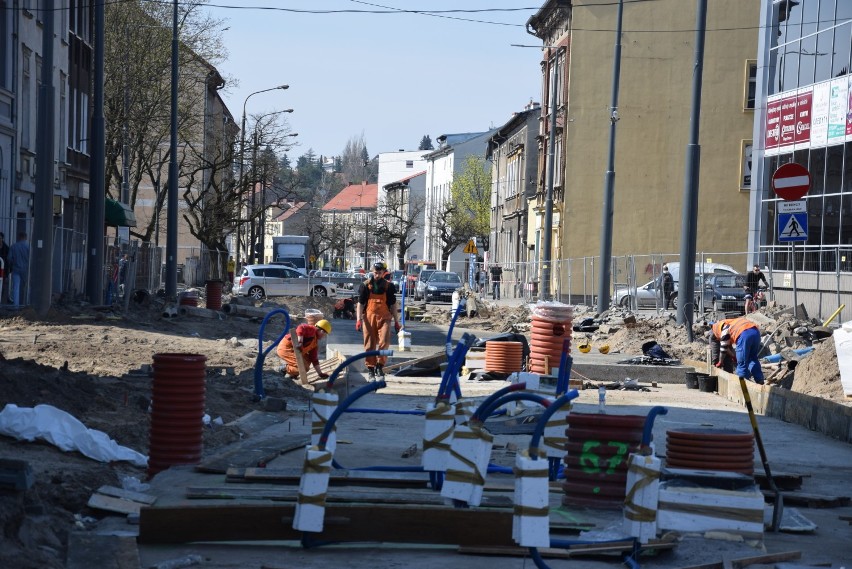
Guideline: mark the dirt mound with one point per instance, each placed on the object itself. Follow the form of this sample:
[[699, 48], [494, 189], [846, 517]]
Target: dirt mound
[[818, 374], [629, 337]]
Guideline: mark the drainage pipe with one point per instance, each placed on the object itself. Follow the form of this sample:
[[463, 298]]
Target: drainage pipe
[[357, 394], [261, 354]]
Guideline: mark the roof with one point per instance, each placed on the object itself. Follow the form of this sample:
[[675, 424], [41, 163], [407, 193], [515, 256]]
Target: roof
[[407, 179], [355, 196], [291, 211]]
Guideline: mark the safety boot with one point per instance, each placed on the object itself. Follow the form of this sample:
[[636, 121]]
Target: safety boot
[[371, 374], [380, 371]]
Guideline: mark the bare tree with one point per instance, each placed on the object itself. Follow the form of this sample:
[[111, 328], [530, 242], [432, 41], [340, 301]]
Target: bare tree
[[454, 231], [398, 219], [138, 93]]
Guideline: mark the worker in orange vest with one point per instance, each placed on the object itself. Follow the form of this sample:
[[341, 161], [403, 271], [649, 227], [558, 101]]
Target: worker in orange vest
[[308, 337], [375, 311], [740, 338]]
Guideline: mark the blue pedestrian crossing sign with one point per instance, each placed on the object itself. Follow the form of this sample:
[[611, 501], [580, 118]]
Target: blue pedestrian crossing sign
[[792, 227]]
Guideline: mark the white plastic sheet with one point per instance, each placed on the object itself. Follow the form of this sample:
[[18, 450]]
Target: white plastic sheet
[[64, 431]]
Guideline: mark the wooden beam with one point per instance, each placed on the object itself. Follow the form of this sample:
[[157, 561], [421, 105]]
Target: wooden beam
[[746, 561], [349, 523], [300, 362]]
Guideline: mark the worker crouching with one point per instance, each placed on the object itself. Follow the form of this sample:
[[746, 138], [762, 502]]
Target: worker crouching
[[307, 338], [375, 311]]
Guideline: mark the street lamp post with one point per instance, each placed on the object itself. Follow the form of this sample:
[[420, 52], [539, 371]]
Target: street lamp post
[[243, 144]]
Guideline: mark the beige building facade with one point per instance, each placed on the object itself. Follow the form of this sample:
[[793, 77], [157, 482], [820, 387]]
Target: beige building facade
[[654, 103]]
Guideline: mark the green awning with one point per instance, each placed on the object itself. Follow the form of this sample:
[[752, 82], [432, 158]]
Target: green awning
[[117, 214]]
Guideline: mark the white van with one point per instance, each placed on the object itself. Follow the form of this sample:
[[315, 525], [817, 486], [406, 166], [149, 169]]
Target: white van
[[647, 295], [702, 270]]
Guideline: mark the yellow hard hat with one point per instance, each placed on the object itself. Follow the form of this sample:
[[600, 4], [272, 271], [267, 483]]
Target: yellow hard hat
[[585, 347], [324, 325], [604, 349]]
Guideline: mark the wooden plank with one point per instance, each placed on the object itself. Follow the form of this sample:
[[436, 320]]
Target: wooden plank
[[127, 494], [110, 504], [87, 550], [746, 561], [300, 362], [575, 551], [349, 523], [433, 359], [809, 500], [250, 453], [341, 476], [339, 495]]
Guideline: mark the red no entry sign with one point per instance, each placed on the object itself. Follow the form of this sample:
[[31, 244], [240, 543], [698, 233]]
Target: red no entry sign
[[791, 181]]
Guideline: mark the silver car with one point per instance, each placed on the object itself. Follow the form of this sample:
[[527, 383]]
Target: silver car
[[260, 281]]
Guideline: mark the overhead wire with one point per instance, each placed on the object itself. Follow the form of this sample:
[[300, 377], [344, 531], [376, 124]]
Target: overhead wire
[[441, 13]]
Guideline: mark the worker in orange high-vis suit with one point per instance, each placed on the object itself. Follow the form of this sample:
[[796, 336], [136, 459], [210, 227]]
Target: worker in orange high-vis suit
[[375, 311], [308, 337], [742, 335]]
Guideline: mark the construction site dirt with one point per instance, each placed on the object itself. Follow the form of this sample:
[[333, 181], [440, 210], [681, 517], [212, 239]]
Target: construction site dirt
[[95, 365]]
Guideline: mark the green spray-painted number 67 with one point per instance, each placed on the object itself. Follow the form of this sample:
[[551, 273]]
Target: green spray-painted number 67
[[591, 462]]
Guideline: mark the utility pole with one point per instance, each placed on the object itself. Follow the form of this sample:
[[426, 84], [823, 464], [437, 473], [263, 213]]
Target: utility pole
[[547, 244], [609, 181], [686, 280], [252, 234], [42, 239], [97, 196], [172, 219]]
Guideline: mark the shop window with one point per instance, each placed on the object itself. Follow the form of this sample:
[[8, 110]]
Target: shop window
[[750, 83]]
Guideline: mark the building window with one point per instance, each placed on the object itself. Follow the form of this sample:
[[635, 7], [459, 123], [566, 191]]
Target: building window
[[750, 83], [745, 164], [26, 104], [63, 117], [409, 163]]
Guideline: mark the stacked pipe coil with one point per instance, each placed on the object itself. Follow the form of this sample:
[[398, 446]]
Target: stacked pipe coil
[[551, 325], [504, 357], [177, 411], [711, 449], [596, 464], [214, 295], [188, 297]]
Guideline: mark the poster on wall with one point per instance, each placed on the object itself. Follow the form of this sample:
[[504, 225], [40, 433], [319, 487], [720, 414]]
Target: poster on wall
[[773, 125], [849, 109], [837, 111], [824, 99]]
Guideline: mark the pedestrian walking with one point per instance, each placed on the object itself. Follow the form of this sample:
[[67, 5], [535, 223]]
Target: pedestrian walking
[[19, 265], [307, 338], [738, 338], [375, 311], [665, 284], [482, 280], [231, 267], [496, 279]]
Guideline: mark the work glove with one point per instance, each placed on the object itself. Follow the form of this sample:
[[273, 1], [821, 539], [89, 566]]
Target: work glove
[[358, 325], [397, 327], [322, 375], [718, 364]]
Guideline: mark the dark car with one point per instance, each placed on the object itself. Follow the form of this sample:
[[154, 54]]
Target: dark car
[[725, 293], [420, 284], [441, 285]]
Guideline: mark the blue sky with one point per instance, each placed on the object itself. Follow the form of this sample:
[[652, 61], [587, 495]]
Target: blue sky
[[392, 77]]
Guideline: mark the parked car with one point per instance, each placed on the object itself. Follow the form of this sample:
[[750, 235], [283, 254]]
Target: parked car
[[647, 295], [441, 285], [260, 281], [420, 284], [397, 278], [725, 293]]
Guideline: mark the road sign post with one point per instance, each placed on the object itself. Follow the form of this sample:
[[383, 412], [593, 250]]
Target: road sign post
[[791, 183]]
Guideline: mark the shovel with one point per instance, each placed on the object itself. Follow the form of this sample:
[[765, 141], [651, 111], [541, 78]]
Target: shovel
[[778, 510]]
